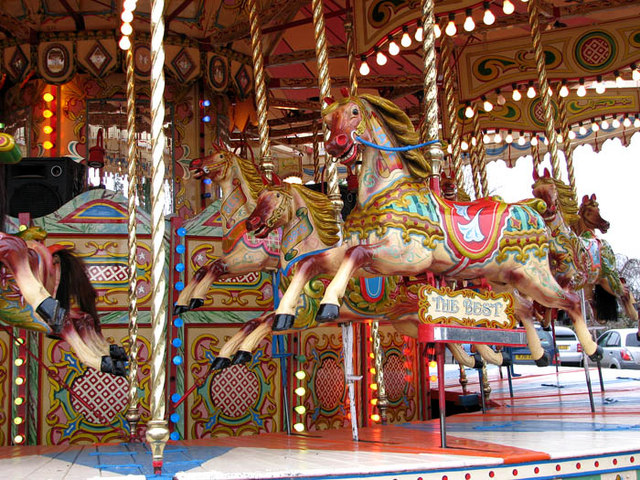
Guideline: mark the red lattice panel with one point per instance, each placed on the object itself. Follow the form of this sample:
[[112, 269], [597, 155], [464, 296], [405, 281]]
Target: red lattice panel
[[595, 51], [329, 384], [108, 273], [234, 390], [102, 392], [394, 381]]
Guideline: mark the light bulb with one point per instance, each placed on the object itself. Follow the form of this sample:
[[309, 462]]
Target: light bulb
[[381, 58], [130, 5], [300, 409], [516, 95], [636, 122], [126, 29], [500, 99], [564, 90], [298, 427], [534, 141], [507, 7], [300, 374], [594, 126], [48, 97], [559, 138], [600, 88], [300, 391], [635, 74], [615, 123], [474, 142], [405, 41], [464, 145], [521, 140], [364, 67], [509, 138], [487, 105], [469, 24], [605, 125], [626, 122], [451, 29], [486, 138], [546, 141], [47, 129], [127, 16], [497, 138], [619, 80], [582, 130], [394, 49], [488, 17], [582, 91], [531, 92], [124, 43], [468, 112], [449, 149], [436, 31], [572, 135], [419, 34]]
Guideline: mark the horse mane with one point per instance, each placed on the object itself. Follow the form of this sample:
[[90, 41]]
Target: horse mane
[[403, 130], [567, 203], [250, 173], [322, 214], [75, 285]]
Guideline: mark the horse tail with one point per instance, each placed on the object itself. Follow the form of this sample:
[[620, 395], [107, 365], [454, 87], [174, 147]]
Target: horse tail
[[75, 284], [606, 305]]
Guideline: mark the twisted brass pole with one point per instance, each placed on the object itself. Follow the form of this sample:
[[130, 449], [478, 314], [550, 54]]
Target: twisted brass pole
[[429, 129], [316, 153], [383, 401], [157, 431], [322, 56], [351, 56], [550, 128], [535, 154], [451, 100], [567, 144], [480, 155], [261, 89], [133, 414], [474, 156]]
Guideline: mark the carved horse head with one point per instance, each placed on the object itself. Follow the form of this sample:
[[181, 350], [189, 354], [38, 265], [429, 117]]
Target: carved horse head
[[590, 214], [271, 212]]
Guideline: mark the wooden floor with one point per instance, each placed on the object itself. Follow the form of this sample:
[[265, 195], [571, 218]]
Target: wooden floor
[[546, 431]]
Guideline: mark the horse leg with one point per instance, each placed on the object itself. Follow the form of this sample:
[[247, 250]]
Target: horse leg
[[102, 363], [251, 341], [186, 295], [229, 349]]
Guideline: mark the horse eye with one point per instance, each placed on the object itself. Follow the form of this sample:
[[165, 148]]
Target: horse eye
[[277, 195], [355, 111]]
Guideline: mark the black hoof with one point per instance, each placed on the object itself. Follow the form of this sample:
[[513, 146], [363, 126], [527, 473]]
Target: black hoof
[[507, 361], [241, 357], [544, 360], [546, 328], [283, 321], [52, 313], [328, 312], [638, 336], [118, 353], [478, 362], [597, 355], [179, 309], [195, 303], [220, 363]]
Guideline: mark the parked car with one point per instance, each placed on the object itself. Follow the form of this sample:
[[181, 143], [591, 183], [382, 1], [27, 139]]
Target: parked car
[[621, 348], [522, 355], [569, 348]]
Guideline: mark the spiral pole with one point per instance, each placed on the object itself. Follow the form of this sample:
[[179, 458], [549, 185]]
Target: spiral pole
[[322, 56], [351, 56], [316, 153], [550, 128], [157, 430], [383, 400], [535, 153], [567, 144], [266, 160], [480, 157], [451, 106], [429, 129], [133, 414]]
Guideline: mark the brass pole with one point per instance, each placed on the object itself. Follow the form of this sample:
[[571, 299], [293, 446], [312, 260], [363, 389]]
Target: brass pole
[[261, 89], [351, 55], [157, 430], [535, 153], [567, 144], [550, 128], [133, 414], [383, 401], [451, 106], [475, 156]]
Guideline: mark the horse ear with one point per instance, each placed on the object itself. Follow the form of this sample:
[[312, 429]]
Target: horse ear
[[535, 174], [345, 92], [445, 176], [276, 180], [593, 196], [585, 199], [546, 173], [329, 100]]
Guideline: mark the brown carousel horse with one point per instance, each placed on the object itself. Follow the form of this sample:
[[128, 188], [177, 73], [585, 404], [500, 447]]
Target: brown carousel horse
[[579, 259], [400, 227], [52, 294]]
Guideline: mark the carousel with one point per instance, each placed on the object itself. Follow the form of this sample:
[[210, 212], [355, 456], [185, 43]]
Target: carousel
[[257, 239]]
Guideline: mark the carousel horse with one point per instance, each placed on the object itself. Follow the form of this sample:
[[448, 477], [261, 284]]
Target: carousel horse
[[400, 227], [579, 259], [240, 183]]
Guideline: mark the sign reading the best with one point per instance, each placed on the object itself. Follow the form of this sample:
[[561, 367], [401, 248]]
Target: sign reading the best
[[466, 307]]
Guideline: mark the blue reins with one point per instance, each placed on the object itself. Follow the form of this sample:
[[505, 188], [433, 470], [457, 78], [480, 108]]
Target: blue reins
[[394, 149]]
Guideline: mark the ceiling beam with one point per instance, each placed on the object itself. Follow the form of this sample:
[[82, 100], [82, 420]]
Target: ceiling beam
[[177, 11], [334, 51], [365, 82], [284, 103], [77, 18]]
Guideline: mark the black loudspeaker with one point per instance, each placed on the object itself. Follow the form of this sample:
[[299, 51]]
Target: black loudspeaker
[[40, 186]]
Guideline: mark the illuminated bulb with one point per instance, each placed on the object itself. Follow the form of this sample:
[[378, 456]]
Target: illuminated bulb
[[373, 386], [433, 378], [550, 90], [17, 420], [405, 41], [531, 92], [582, 130], [507, 7], [546, 141], [47, 129], [124, 43], [486, 138], [449, 149], [615, 123], [572, 135], [600, 88], [464, 146], [451, 29], [47, 113], [47, 145], [419, 34], [381, 58], [469, 24], [474, 142], [605, 124], [374, 401], [394, 49], [19, 380], [300, 374], [594, 126], [372, 371], [564, 90], [619, 80], [516, 95], [521, 139], [486, 104], [300, 409], [497, 138], [126, 29], [375, 417], [635, 74], [534, 140], [48, 97], [636, 122], [18, 362], [626, 122], [18, 439], [436, 31], [371, 355], [488, 18], [300, 391], [127, 16], [364, 67], [468, 112], [559, 138], [509, 138], [500, 98], [298, 427], [129, 5], [19, 401], [582, 90]]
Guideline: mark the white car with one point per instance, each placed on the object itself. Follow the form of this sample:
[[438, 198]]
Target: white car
[[621, 348], [569, 348]]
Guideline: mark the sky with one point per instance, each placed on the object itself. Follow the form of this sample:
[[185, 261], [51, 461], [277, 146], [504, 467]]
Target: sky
[[613, 174]]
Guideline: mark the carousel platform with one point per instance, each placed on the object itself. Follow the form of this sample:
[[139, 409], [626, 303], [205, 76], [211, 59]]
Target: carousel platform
[[546, 431]]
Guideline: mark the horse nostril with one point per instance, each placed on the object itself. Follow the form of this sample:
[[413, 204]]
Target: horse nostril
[[341, 140], [252, 223]]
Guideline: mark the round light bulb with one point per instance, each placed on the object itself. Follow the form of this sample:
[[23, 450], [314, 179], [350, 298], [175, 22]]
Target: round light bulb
[[419, 34], [497, 138], [127, 16], [126, 29], [464, 146], [605, 125], [300, 374], [129, 5], [298, 427], [124, 43], [488, 106], [582, 91], [488, 18], [469, 24], [564, 91], [300, 409], [405, 41], [545, 141], [600, 88], [381, 59], [635, 74], [47, 129], [516, 95], [486, 138], [531, 92], [615, 123], [451, 29], [48, 97], [394, 49], [534, 141], [559, 138], [437, 32], [500, 99], [582, 130], [571, 135], [300, 391], [47, 145], [509, 138], [595, 127], [636, 123], [626, 122], [468, 112], [364, 68], [521, 140], [507, 7]]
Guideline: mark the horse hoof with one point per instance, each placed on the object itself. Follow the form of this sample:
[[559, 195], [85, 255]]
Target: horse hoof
[[638, 336], [327, 312], [52, 313], [179, 309], [283, 321], [546, 328], [118, 353], [241, 357], [507, 361], [544, 360], [597, 355], [220, 363], [478, 363], [195, 303]]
